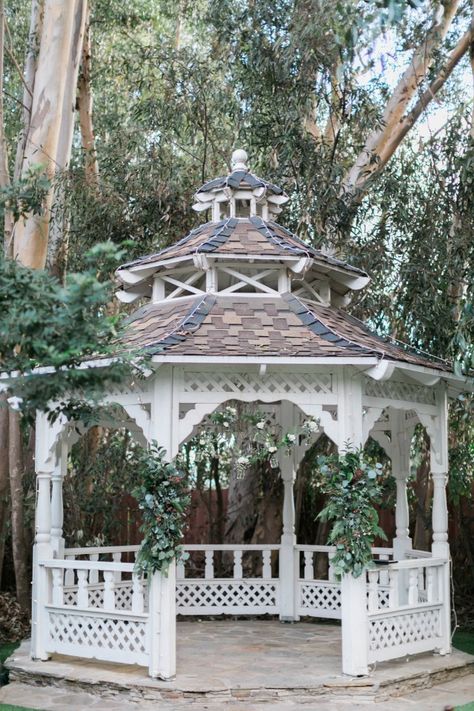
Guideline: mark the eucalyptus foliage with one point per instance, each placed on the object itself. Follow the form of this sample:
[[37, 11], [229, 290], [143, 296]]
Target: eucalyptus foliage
[[354, 485], [48, 330], [163, 497]]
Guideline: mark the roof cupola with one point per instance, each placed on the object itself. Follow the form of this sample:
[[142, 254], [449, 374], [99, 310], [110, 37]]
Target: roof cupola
[[241, 194]]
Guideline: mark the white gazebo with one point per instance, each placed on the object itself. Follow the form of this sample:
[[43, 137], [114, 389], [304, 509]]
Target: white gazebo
[[241, 309]]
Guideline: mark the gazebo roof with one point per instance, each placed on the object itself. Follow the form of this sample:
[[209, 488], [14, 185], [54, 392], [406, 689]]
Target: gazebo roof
[[241, 286], [245, 326]]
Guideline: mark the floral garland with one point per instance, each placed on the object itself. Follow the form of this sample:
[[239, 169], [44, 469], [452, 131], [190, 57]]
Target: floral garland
[[163, 497], [353, 484]]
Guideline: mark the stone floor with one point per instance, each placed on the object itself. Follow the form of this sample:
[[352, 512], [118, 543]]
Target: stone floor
[[244, 665]]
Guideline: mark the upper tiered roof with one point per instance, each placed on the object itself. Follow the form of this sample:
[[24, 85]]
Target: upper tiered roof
[[242, 285]]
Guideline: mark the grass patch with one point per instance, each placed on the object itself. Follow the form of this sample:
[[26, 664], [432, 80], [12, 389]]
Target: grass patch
[[5, 651], [464, 640], [9, 707], [466, 707]]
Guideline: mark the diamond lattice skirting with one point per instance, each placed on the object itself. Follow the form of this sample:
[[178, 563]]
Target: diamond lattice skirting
[[100, 636], [394, 634], [217, 597], [319, 598]]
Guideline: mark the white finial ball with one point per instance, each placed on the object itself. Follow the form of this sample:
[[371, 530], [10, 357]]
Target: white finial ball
[[239, 160]]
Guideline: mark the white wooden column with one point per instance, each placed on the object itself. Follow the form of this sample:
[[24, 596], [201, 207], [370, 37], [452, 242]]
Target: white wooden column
[[57, 509], [354, 621], [400, 454], [287, 565], [41, 550], [162, 588]]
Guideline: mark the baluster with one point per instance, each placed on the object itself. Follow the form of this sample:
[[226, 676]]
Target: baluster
[[238, 572], [308, 565], [267, 564], [180, 570], [82, 589], [430, 585], [413, 587], [383, 575], [393, 589], [117, 558], [373, 590], [94, 574], [209, 566], [137, 594], [331, 573], [58, 596], [109, 590], [69, 575]]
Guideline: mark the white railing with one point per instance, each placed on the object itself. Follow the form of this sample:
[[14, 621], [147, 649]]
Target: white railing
[[407, 608], [98, 613], [240, 582]]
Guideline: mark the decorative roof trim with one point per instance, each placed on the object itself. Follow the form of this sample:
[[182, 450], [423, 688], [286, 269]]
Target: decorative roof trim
[[316, 326], [275, 239], [221, 234], [191, 322]]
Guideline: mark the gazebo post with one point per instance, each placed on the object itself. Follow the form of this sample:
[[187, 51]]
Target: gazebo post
[[354, 622], [162, 588], [288, 559], [400, 455], [41, 550], [57, 512]]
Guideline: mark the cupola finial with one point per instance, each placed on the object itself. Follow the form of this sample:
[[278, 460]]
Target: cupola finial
[[239, 160]]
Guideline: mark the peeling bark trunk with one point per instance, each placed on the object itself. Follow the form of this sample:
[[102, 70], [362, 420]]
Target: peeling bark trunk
[[424, 494], [20, 557], [51, 114], [4, 478], [394, 127], [84, 105]]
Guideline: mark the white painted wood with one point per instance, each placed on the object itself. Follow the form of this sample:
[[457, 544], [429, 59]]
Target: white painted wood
[[266, 564], [158, 290], [82, 588], [109, 591], [237, 571], [209, 564], [138, 602], [354, 625], [58, 596], [288, 558]]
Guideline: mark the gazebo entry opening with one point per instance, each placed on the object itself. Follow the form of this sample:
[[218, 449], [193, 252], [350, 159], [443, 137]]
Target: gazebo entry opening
[[241, 309]]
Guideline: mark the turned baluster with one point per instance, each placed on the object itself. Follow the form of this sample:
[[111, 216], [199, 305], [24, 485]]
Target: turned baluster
[[413, 587], [266, 564], [383, 575], [331, 573], [69, 574], [209, 565], [393, 589], [94, 574], [180, 570], [109, 590], [117, 558], [238, 572], [373, 590], [82, 589], [58, 596], [137, 594], [308, 565], [430, 585]]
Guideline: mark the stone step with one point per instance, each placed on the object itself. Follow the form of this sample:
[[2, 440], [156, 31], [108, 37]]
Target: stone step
[[124, 685]]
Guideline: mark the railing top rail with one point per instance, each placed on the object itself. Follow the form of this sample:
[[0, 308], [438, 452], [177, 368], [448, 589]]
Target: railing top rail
[[413, 553], [315, 549], [381, 550], [230, 547], [417, 563], [88, 565], [93, 550]]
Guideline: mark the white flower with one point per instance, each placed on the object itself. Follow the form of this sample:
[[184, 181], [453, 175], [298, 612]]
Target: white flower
[[15, 402], [202, 442], [242, 460], [261, 425], [272, 450], [232, 411], [291, 438], [226, 424], [311, 425]]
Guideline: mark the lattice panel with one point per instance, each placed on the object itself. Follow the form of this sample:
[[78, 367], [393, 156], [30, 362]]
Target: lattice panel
[[105, 637], [123, 595], [296, 383], [399, 391], [402, 632], [320, 599], [226, 596]]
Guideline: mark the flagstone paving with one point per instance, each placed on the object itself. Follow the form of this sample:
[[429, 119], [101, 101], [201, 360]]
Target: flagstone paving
[[246, 666]]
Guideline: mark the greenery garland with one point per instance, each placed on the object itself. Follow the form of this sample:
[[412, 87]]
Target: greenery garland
[[163, 497], [354, 484]]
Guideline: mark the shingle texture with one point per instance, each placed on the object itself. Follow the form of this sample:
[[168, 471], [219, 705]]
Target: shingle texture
[[250, 326], [252, 236]]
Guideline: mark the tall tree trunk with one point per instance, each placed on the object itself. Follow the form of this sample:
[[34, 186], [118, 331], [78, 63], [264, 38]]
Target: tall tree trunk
[[84, 105], [50, 126], [20, 556], [4, 477]]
